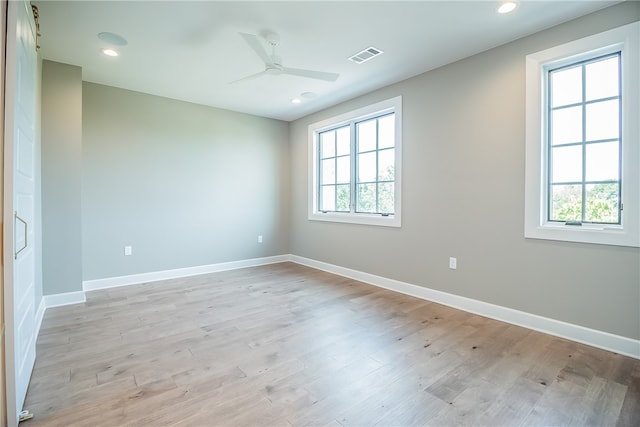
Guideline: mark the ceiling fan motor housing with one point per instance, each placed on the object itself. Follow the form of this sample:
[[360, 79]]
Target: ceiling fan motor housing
[[272, 38]]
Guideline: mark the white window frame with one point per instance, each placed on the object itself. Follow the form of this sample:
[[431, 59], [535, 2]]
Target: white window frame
[[626, 40], [393, 105]]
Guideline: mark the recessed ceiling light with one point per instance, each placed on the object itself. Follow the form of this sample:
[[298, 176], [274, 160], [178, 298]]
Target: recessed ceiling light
[[112, 39], [507, 6], [109, 52], [296, 101]]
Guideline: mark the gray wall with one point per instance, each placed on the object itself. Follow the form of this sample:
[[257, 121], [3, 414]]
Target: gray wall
[[183, 184], [61, 178], [463, 196]]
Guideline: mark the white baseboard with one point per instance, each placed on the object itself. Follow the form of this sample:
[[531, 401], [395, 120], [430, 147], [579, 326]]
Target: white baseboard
[[112, 282], [581, 334], [57, 300]]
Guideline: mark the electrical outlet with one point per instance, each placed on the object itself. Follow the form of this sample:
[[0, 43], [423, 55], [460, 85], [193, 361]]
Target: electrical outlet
[[453, 263], [260, 238], [127, 250]]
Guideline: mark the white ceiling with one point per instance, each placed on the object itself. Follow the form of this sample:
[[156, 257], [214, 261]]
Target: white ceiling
[[191, 50]]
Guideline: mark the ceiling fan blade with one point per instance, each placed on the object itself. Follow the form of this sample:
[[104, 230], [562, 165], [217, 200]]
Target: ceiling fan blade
[[251, 77], [319, 75], [254, 43]]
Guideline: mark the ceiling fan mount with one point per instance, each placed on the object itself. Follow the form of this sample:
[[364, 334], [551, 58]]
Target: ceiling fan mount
[[273, 63], [272, 38]]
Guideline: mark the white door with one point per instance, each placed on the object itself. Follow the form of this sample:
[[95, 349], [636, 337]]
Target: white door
[[19, 220]]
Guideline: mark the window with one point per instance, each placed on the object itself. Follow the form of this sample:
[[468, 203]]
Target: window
[[355, 164], [582, 147]]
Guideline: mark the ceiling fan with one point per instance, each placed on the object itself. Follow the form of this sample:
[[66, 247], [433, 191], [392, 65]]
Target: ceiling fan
[[273, 63]]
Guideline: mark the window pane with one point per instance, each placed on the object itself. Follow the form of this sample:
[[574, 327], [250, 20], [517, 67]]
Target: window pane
[[566, 125], [328, 171], [386, 164], [386, 131], [566, 203], [366, 135], [602, 203], [367, 167], [566, 164], [602, 161], [327, 144], [566, 87], [344, 141], [328, 198], [385, 197], [602, 79], [366, 198], [602, 120], [343, 199], [344, 170]]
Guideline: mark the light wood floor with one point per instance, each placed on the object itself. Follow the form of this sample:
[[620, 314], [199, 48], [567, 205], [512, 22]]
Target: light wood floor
[[288, 345]]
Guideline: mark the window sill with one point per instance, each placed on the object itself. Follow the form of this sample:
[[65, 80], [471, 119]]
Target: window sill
[[587, 233], [362, 219]]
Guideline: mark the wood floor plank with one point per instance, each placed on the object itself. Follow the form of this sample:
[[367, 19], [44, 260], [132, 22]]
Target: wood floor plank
[[630, 411], [288, 345]]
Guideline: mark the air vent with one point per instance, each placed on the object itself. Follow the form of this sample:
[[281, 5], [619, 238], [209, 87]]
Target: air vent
[[365, 55]]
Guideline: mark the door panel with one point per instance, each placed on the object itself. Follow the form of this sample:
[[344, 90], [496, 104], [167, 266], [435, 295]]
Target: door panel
[[24, 152], [20, 119], [3, 382]]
